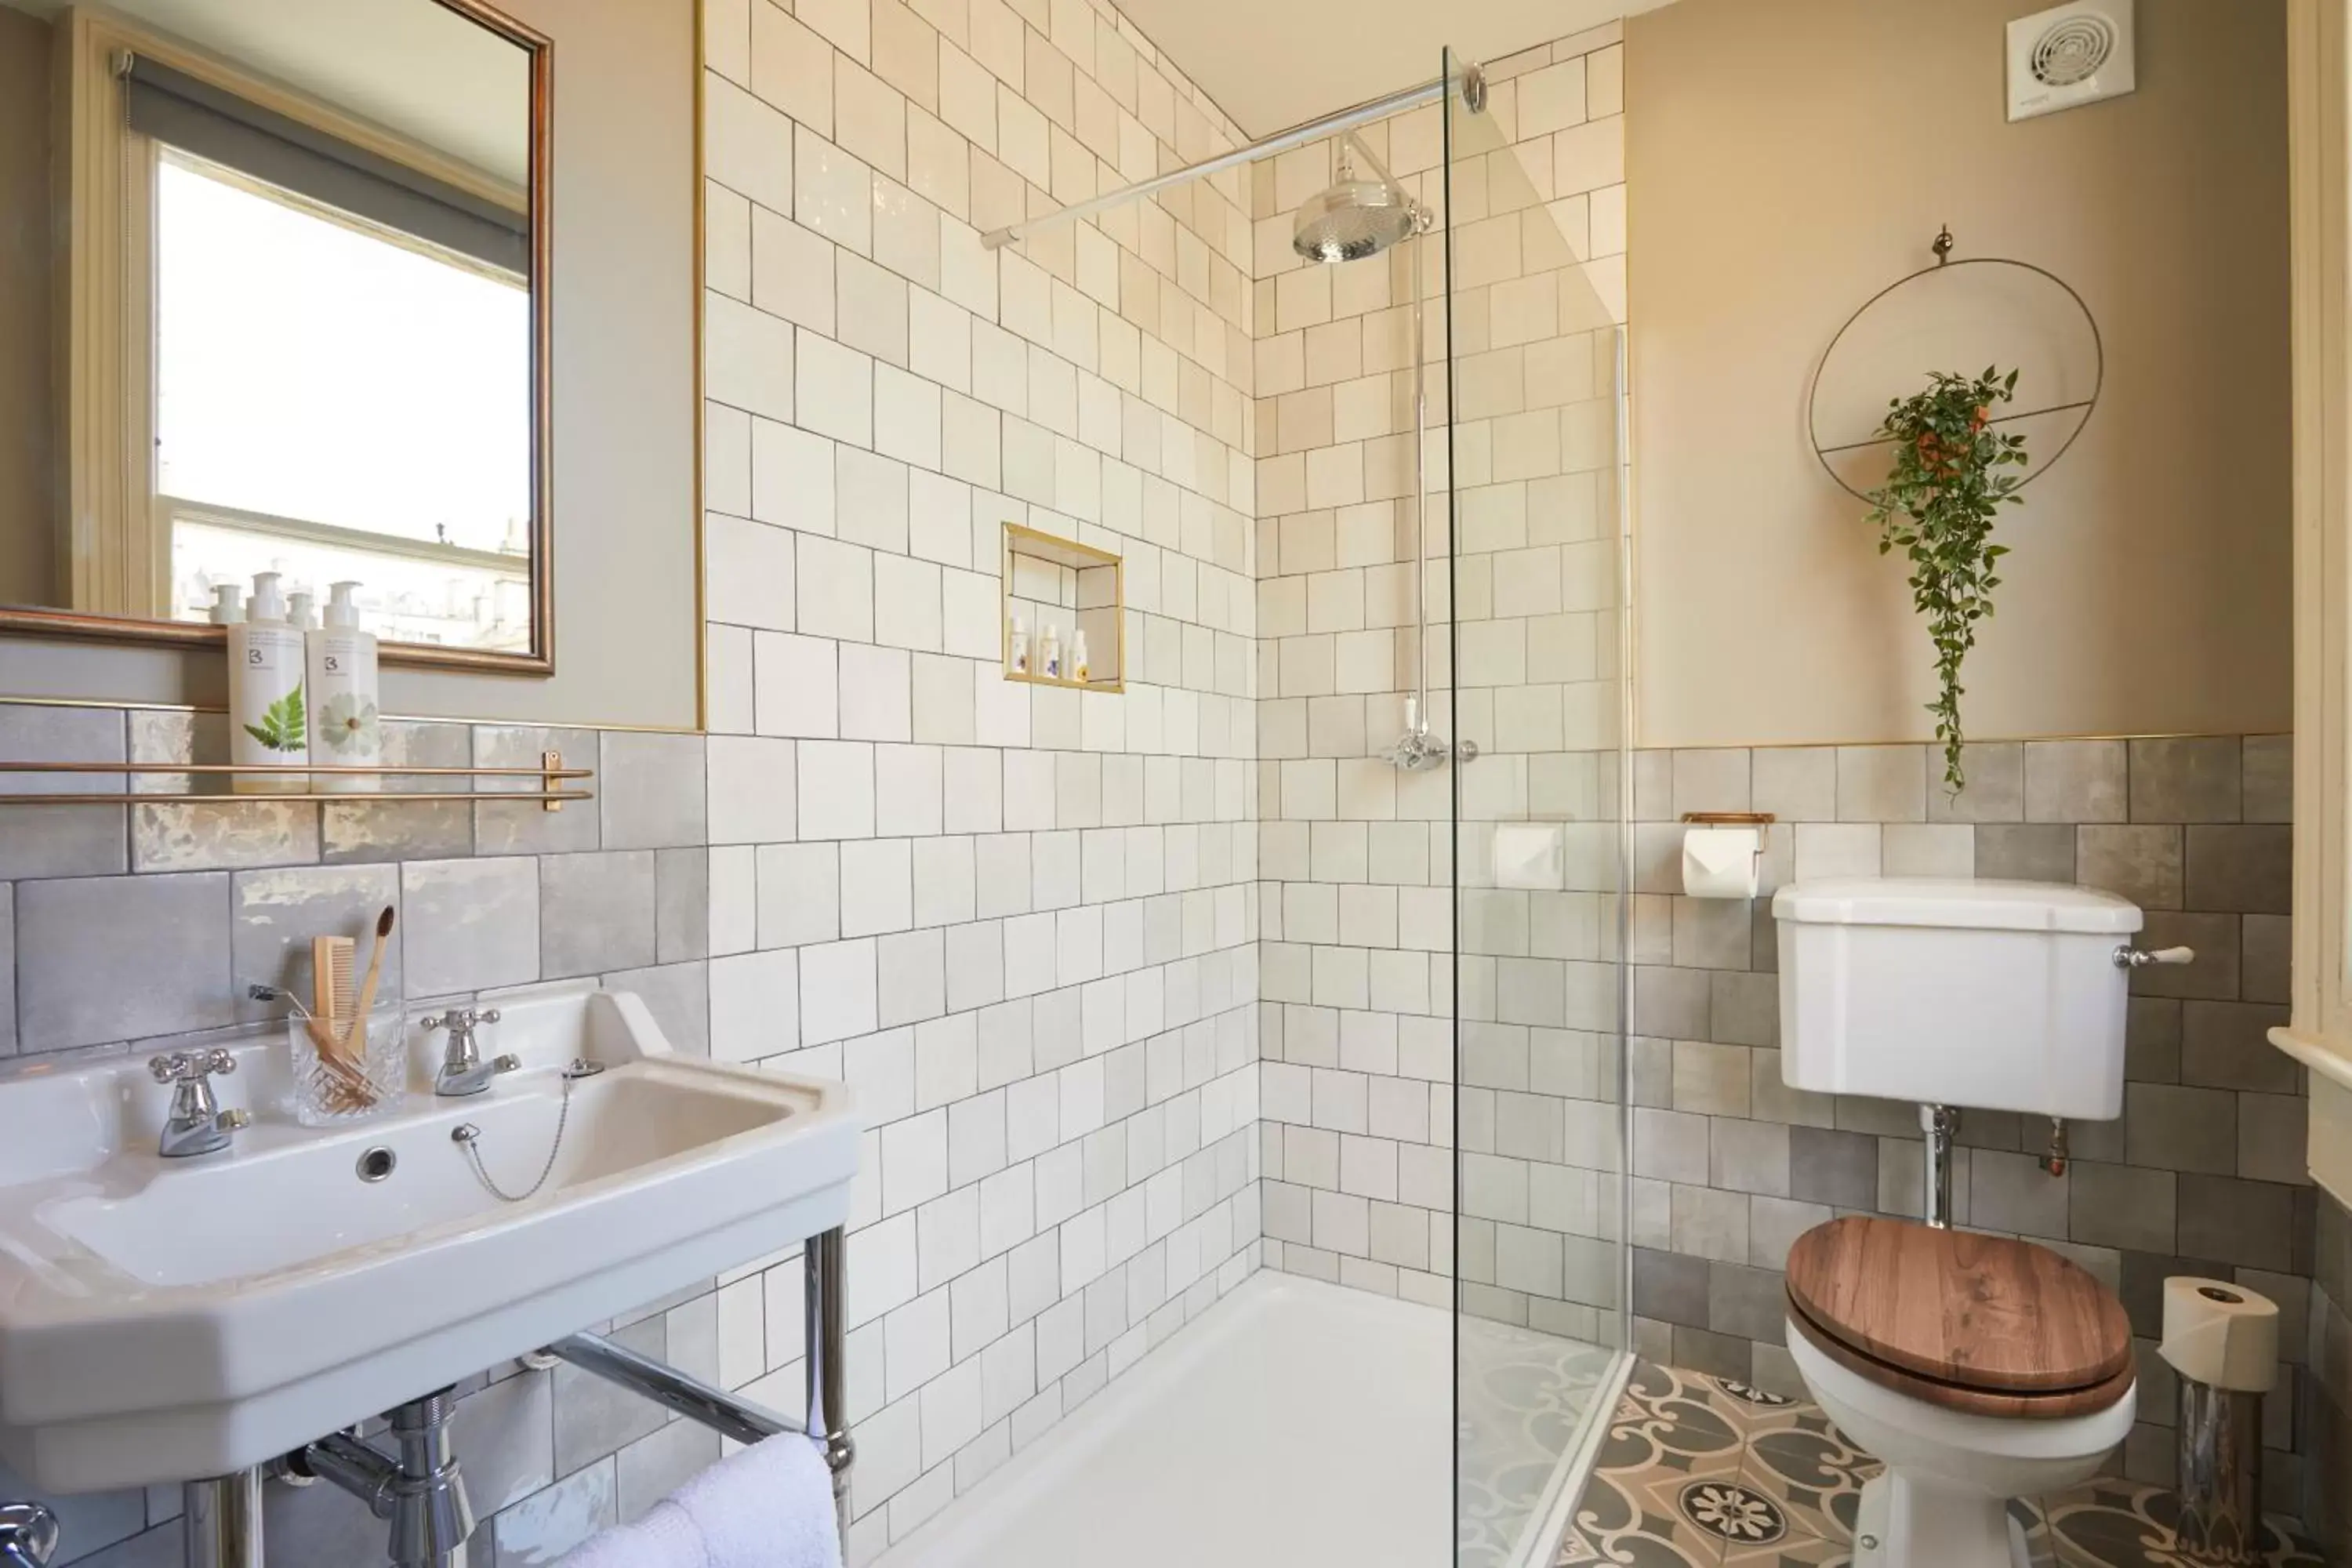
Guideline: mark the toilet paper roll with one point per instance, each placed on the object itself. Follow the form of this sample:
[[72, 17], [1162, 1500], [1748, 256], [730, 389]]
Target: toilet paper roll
[[2221, 1334], [1720, 862]]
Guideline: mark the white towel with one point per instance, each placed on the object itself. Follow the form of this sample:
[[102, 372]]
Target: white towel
[[770, 1506]]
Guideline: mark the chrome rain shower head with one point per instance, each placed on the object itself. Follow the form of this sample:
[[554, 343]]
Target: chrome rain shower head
[[1354, 218]]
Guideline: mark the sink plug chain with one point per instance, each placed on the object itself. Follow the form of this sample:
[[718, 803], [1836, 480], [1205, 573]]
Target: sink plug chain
[[467, 1136]]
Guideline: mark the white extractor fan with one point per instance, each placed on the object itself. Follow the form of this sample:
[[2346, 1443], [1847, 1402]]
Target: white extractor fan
[[2070, 55]]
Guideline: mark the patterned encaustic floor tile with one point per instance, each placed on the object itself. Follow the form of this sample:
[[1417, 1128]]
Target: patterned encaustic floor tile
[[1705, 1472], [1524, 1397]]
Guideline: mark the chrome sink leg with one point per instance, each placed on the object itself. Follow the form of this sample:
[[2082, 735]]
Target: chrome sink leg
[[825, 1258], [223, 1519]]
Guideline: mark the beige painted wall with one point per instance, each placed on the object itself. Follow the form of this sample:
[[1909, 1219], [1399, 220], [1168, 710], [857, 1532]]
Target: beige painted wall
[[25, 481], [1768, 197], [625, 628]]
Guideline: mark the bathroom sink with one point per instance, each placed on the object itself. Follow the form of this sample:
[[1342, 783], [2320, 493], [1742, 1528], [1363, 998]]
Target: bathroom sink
[[166, 1320]]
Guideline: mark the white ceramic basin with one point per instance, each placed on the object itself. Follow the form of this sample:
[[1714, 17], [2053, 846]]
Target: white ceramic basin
[[166, 1320]]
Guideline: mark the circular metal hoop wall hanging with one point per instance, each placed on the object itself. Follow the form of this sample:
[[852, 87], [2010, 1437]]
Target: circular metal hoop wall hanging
[[1828, 447]]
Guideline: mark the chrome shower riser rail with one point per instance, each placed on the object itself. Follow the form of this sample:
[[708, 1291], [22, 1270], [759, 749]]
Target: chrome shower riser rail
[[743, 1420], [1299, 135]]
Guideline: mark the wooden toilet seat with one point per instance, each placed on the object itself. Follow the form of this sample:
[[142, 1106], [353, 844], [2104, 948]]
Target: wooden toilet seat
[[1980, 1325]]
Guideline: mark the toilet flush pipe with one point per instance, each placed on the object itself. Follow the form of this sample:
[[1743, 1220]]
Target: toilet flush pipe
[[1939, 1122]]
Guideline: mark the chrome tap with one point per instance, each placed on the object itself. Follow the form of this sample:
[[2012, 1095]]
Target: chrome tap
[[463, 1070], [197, 1125]]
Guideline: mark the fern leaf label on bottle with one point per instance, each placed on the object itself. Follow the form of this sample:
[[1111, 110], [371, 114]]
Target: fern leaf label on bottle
[[1944, 491], [283, 727]]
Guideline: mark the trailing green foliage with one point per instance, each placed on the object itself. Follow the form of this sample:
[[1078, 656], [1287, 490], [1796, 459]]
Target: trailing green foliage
[[283, 727], [1938, 504]]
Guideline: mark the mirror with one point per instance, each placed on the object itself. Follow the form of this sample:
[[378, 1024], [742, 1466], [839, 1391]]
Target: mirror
[[275, 279]]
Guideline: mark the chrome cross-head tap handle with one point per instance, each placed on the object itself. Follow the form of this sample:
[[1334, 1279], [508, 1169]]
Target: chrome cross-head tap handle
[[195, 1124], [463, 1071], [28, 1535]]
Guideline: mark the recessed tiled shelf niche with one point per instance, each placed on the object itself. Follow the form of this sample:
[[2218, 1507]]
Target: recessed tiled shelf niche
[[1071, 587]]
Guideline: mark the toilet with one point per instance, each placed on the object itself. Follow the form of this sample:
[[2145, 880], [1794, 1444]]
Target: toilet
[[1978, 1368]]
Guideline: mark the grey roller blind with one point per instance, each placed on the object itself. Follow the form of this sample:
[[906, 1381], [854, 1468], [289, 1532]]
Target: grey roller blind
[[199, 118]]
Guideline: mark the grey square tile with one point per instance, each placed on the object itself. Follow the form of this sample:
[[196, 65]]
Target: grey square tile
[[1749, 1156], [593, 1417], [2152, 1039], [63, 840], [652, 1468], [2025, 852], [678, 996], [2076, 781], [2266, 958], [1670, 1288], [2120, 1206], [275, 913], [1710, 780], [467, 925], [1995, 792], [2226, 1044], [682, 915], [1833, 1167], [1796, 784], [528, 827], [596, 912], [1749, 1303], [2170, 1126], [2014, 1192], [2194, 778], [505, 1435], [1721, 1355], [111, 958], [408, 830], [2246, 1223], [1745, 1008], [1883, 783], [2273, 1138], [2142, 863], [538, 1532], [2214, 974], [2250, 870], [213, 835], [650, 791], [1670, 1002]]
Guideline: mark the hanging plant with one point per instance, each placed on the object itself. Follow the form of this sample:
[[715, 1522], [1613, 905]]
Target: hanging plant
[[1938, 504]]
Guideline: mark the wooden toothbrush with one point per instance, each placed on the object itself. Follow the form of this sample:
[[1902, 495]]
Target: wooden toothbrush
[[374, 973]]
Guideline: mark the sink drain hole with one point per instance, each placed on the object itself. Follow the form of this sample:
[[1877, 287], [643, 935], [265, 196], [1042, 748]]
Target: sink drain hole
[[376, 1164]]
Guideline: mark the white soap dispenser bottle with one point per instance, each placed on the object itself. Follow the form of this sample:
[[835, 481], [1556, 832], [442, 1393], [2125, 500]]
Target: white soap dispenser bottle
[[269, 718], [228, 604], [345, 730]]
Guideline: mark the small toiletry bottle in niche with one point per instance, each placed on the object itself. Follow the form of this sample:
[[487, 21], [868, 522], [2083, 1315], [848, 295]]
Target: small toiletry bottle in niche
[[1080, 670], [344, 729], [1049, 653], [228, 604], [269, 718], [1017, 656]]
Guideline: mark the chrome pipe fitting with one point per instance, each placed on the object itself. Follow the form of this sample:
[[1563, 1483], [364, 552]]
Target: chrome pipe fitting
[[422, 1492], [1941, 1123]]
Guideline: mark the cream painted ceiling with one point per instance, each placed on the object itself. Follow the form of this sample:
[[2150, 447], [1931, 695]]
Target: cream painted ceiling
[[1274, 65]]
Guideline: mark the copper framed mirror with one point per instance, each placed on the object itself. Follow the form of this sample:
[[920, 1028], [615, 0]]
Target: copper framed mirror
[[285, 271]]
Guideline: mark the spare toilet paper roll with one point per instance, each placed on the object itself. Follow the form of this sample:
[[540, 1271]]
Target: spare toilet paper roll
[[2221, 1334], [1720, 862]]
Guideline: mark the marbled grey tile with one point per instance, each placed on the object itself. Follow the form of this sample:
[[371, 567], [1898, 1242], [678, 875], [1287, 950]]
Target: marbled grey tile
[[538, 1532], [469, 924], [322, 1524], [2215, 939], [2152, 1039], [1752, 1303], [2246, 1223], [595, 912], [1749, 1156], [214, 835], [2140, 862], [528, 827], [62, 840], [7, 970], [2012, 1191], [2266, 958], [2170, 1126], [678, 997], [1710, 780], [2076, 781], [1827, 1166], [2274, 1131], [653, 1467], [2025, 852], [1929, 849], [1796, 784], [593, 1417], [2121, 1206], [505, 1435], [111, 958], [2249, 869], [682, 912], [1719, 1355], [2226, 1044], [275, 913], [1745, 1008], [2193, 778], [385, 829], [1995, 792], [1711, 933], [1669, 1287], [651, 790], [1775, 1224], [2268, 775], [1883, 783], [1669, 1002]]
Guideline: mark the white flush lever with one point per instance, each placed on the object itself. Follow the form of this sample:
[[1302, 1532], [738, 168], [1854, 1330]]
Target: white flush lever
[[2130, 957]]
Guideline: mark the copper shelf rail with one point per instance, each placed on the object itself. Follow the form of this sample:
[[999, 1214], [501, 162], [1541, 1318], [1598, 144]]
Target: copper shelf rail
[[554, 780]]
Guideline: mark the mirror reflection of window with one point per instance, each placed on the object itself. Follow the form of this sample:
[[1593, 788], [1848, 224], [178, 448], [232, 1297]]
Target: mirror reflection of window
[[305, 358]]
